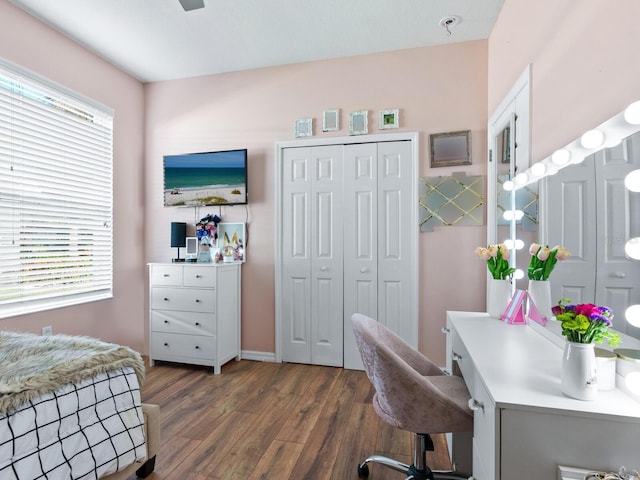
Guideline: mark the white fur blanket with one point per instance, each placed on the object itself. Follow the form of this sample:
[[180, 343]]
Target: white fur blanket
[[31, 365]]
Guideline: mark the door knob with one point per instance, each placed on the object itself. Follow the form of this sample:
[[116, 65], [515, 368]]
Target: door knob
[[323, 269], [363, 270], [475, 405], [619, 275]]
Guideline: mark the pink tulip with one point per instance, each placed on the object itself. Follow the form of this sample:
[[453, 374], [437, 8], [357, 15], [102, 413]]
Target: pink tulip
[[562, 253], [483, 253], [533, 249], [543, 254], [504, 251], [493, 250]]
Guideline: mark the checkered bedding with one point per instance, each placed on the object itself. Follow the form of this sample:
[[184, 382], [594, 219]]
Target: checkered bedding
[[79, 431]]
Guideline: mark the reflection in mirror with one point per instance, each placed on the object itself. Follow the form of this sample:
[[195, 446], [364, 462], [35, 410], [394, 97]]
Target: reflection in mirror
[[589, 211]]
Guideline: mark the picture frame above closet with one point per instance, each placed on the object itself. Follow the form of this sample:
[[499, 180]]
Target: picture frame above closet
[[389, 119], [304, 127], [359, 122], [331, 120]]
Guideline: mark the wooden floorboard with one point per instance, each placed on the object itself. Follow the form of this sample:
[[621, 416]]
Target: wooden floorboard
[[274, 421]]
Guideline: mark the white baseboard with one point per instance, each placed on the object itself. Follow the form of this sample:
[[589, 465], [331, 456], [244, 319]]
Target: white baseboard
[[258, 356]]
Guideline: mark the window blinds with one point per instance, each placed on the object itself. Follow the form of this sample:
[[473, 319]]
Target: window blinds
[[56, 195]]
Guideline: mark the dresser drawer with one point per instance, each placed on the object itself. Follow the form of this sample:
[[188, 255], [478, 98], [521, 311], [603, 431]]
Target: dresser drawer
[[199, 277], [167, 345], [166, 275], [485, 435], [189, 323], [182, 299]]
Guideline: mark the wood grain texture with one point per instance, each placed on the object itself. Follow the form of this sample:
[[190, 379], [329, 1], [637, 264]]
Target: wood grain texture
[[274, 421]]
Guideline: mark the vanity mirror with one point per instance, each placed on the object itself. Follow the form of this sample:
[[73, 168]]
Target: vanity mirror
[[586, 207]]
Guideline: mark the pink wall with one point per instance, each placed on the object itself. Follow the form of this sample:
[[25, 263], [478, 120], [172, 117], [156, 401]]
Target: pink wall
[[583, 57], [31, 44], [436, 89]]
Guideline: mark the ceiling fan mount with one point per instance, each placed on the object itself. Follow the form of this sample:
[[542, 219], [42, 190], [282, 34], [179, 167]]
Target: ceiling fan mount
[[189, 5]]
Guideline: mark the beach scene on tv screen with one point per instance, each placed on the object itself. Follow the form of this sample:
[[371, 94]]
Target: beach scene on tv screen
[[217, 178]]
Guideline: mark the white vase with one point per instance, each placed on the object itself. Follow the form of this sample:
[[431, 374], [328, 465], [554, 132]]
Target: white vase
[[540, 293], [579, 377], [498, 297]]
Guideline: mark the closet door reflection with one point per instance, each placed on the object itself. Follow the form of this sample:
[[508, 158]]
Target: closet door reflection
[[592, 214]]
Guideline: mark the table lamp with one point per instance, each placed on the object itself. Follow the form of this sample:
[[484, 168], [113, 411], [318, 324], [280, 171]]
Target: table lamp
[[178, 238]]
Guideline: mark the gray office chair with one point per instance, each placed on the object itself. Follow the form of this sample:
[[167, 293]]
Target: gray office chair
[[411, 393]]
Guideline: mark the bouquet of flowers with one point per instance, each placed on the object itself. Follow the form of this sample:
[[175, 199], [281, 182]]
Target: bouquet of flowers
[[543, 259], [585, 323], [497, 257]]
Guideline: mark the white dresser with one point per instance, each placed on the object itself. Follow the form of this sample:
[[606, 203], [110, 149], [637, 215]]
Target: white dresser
[[194, 313], [524, 427]]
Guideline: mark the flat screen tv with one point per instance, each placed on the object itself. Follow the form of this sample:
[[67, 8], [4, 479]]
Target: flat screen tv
[[207, 178]]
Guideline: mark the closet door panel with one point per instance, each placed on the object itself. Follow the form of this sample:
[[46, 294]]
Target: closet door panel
[[395, 262], [360, 241], [327, 256], [296, 255]]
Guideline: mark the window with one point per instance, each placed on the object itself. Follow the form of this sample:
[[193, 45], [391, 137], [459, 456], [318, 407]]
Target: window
[[56, 195]]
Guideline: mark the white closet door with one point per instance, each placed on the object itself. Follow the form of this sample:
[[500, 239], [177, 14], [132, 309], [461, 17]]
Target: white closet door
[[378, 258], [312, 255], [360, 241], [618, 214], [571, 213]]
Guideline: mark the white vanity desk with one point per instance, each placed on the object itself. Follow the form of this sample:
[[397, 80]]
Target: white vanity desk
[[524, 427]]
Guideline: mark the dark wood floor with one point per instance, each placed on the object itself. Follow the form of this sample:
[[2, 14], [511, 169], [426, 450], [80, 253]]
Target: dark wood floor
[[271, 421]]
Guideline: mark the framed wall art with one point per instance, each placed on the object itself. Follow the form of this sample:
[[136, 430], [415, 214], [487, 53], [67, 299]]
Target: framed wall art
[[389, 119], [304, 127], [359, 123], [450, 148], [331, 120]]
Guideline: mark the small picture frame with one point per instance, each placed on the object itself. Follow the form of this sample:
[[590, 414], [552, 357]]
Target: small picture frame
[[304, 127], [359, 123], [331, 120], [389, 119], [450, 148]]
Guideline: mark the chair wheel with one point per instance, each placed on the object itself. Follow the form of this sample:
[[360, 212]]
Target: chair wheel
[[363, 470]]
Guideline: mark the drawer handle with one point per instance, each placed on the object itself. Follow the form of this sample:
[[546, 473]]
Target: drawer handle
[[166, 275], [197, 347], [166, 344], [456, 356], [446, 372], [197, 300], [166, 321], [445, 330], [197, 324], [475, 405], [198, 276], [166, 299]]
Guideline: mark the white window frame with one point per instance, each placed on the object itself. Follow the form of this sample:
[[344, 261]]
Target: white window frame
[[56, 195]]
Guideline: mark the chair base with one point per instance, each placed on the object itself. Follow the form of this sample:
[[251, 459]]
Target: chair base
[[411, 472]]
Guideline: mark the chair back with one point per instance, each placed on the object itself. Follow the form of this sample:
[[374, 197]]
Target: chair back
[[412, 393]]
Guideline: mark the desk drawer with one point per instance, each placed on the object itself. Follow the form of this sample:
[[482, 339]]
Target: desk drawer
[[485, 436], [460, 356], [182, 299], [189, 323], [167, 345]]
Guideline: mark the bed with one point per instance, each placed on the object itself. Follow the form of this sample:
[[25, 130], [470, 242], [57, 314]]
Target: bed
[[70, 408]]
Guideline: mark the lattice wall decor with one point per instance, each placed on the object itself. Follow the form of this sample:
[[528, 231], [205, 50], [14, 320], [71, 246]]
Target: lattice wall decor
[[454, 200], [526, 200]]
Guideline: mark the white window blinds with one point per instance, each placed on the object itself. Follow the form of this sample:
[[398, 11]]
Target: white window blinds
[[56, 195]]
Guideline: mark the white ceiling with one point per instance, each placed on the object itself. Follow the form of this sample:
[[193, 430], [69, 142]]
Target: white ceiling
[[157, 40]]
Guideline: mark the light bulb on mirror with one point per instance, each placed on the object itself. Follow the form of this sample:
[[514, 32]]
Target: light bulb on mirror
[[508, 215], [632, 181], [521, 178], [538, 169], [632, 248], [632, 113], [519, 244], [518, 274], [561, 157], [518, 214], [632, 315], [508, 186], [632, 381], [508, 243], [592, 139]]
